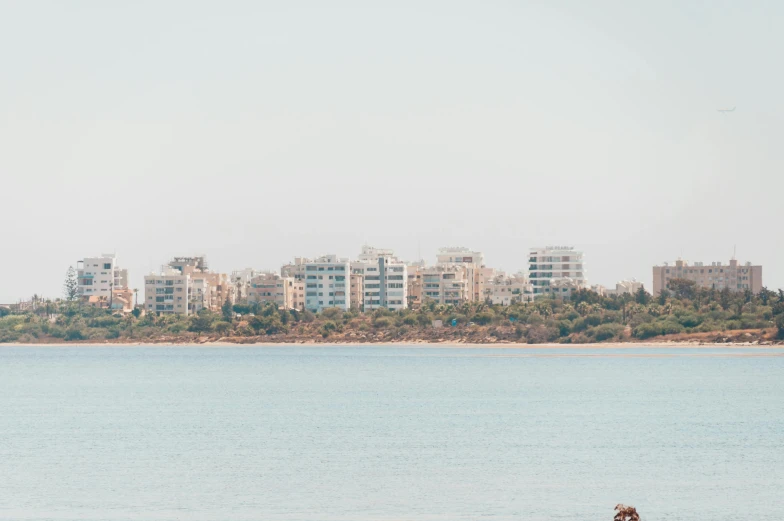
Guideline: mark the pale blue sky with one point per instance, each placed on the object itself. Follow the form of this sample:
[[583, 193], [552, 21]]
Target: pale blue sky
[[259, 131]]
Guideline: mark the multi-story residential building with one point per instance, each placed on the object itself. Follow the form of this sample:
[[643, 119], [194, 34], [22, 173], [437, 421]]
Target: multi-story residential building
[[504, 291], [546, 265], [298, 295], [357, 291], [414, 285], [99, 276], [213, 292], [200, 297], [476, 273], [327, 283], [622, 287], [561, 288], [371, 254], [240, 280], [167, 292], [217, 287], [271, 287], [459, 255], [446, 284], [734, 276], [296, 269], [384, 279], [198, 262]]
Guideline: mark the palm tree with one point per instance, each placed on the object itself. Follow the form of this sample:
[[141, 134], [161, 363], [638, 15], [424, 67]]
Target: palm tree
[[626, 513], [136, 297]]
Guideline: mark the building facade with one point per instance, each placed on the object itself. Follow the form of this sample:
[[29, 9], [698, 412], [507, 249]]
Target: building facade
[[384, 279], [734, 276], [504, 291], [446, 284], [271, 287], [99, 276], [167, 292], [546, 265], [327, 283]]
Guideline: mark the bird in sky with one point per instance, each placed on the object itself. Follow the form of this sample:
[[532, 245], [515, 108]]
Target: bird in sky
[[724, 111]]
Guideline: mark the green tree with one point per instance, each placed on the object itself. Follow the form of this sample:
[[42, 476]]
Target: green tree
[[71, 285], [642, 296], [663, 296], [765, 296], [222, 327], [683, 288], [780, 327], [199, 324], [228, 312]]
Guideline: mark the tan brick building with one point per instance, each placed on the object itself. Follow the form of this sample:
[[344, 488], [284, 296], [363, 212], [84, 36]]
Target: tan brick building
[[716, 275]]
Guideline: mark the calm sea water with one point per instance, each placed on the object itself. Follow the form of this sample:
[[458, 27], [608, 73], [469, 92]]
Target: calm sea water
[[383, 433]]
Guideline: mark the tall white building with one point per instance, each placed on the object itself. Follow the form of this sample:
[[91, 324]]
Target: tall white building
[[168, 292], [98, 276], [385, 283], [556, 263], [327, 283]]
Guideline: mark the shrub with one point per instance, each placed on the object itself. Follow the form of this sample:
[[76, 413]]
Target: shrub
[[605, 332], [671, 328], [382, 322], [74, 334], [647, 330], [410, 320], [593, 319], [780, 327], [689, 320], [484, 318]]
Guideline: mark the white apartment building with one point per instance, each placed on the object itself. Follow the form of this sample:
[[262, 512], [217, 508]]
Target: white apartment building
[[504, 291], [327, 283], [168, 292], [271, 287], [552, 263], [199, 295], [240, 281], [98, 276], [385, 283]]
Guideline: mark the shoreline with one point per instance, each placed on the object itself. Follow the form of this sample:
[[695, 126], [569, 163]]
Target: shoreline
[[415, 344]]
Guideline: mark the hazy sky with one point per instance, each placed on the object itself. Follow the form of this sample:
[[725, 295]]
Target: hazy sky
[[256, 131]]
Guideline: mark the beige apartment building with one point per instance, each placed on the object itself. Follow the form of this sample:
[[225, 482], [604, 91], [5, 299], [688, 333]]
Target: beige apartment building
[[271, 287], [298, 295], [734, 276], [357, 290], [210, 289], [167, 293], [415, 285], [446, 284], [476, 273]]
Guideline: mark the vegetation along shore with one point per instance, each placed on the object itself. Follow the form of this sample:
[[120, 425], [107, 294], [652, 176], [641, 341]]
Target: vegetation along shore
[[683, 314]]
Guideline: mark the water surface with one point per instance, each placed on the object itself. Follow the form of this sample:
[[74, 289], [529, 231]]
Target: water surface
[[388, 433]]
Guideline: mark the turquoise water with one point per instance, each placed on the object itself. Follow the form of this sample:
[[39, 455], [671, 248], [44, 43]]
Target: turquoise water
[[390, 433]]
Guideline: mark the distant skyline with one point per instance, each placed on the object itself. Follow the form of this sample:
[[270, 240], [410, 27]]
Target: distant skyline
[[254, 132]]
